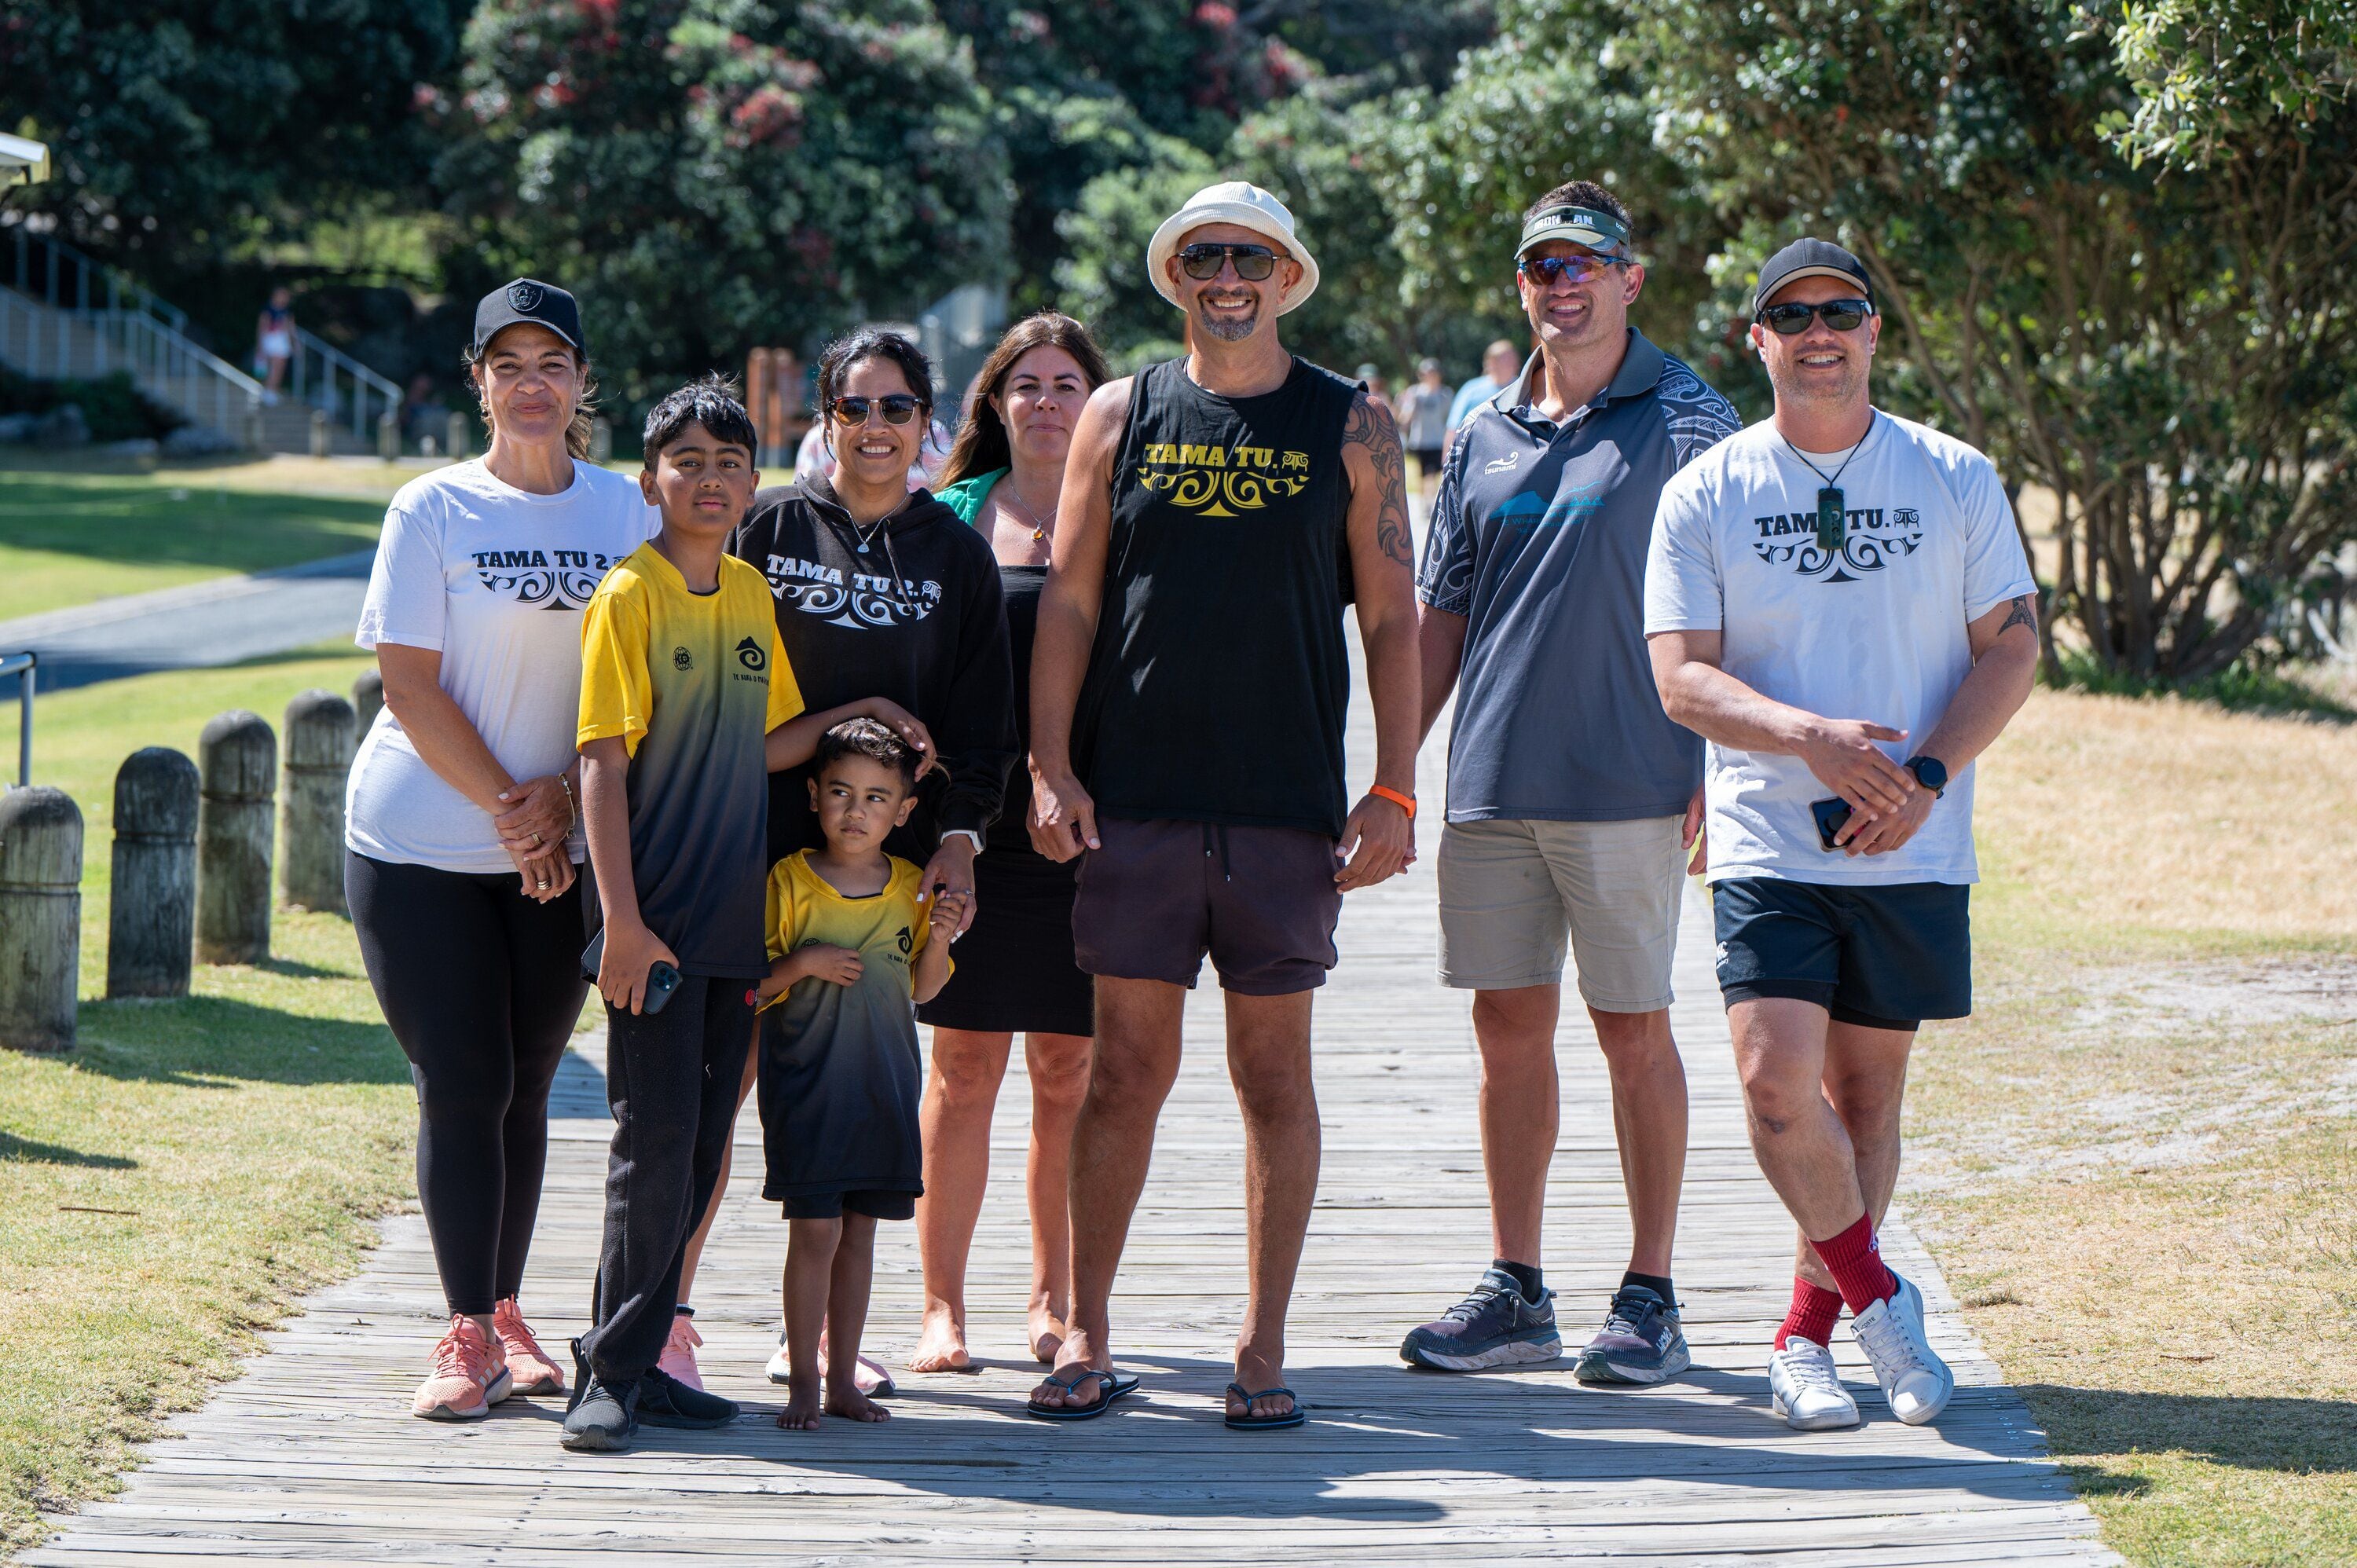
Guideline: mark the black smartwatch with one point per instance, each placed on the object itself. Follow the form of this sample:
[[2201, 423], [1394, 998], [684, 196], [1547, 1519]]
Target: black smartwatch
[[1930, 772]]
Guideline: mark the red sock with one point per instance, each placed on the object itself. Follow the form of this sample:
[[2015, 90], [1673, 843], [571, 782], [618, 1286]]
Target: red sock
[[1855, 1263], [1812, 1313]]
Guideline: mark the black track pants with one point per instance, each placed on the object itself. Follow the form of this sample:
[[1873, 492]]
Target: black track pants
[[671, 1079], [482, 987]]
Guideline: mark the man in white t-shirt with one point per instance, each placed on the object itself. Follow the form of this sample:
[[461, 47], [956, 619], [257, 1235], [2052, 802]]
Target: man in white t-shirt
[[1838, 601]]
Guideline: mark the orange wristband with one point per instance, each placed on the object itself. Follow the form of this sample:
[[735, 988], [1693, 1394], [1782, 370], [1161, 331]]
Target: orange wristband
[[1405, 803]]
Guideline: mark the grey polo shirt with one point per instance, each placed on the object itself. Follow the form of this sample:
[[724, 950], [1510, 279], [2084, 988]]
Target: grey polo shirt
[[1538, 539]]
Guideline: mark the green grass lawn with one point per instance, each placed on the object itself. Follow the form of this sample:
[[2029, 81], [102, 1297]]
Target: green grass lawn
[[174, 1181], [72, 533]]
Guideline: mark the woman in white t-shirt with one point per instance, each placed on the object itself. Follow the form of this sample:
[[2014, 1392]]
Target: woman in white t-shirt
[[462, 827]]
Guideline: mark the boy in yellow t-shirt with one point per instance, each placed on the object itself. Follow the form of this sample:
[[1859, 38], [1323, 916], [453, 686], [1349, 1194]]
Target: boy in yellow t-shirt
[[687, 705], [854, 943]]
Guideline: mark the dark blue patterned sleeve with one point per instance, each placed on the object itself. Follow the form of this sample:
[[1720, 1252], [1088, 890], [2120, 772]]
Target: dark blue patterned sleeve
[[1445, 580], [1699, 418]]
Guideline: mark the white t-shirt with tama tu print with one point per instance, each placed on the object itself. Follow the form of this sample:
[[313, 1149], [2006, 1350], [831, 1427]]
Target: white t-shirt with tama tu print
[[494, 579], [1873, 630]]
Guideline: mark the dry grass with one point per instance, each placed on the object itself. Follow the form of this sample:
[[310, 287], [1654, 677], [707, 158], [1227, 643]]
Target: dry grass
[[2135, 1161]]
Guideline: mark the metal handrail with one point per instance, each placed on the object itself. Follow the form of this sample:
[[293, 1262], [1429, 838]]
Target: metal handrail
[[163, 362], [22, 665], [325, 394], [55, 255]]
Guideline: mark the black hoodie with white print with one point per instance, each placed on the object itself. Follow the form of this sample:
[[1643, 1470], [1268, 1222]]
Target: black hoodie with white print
[[907, 609]]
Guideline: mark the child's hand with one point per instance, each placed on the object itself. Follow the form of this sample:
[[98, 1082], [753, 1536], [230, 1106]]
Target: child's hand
[[836, 965], [948, 912], [630, 952], [774, 984]]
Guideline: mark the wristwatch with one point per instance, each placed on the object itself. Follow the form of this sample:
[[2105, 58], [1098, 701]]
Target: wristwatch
[[1930, 772], [968, 834]]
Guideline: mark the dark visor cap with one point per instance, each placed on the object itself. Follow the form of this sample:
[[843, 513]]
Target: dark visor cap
[[1809, 259], [527, 299]]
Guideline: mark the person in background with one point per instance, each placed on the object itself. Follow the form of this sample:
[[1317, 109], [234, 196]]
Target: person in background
[[1424, 422], [853, 936], [1015, 972], [1378, 389], [274, 341], [1501, 363], [460, 824], [421, 411]]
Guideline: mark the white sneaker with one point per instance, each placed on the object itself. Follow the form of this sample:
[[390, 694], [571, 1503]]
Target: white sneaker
[[780, 1370], [1807, 1390], [873, 1380], [1915, 1381]]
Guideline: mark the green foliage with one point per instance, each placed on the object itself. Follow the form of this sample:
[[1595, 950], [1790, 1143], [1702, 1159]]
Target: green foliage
[[178, 128], [2208, 73], [710, 175], [114, 408]]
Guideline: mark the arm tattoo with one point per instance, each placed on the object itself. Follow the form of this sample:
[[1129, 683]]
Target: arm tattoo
[[2024, 613], [1370, 426]]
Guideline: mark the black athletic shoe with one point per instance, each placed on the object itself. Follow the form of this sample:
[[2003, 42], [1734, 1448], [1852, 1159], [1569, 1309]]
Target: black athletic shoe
[[1495, 1326], [664, 1401], [600, 1418], [1641, 1343]]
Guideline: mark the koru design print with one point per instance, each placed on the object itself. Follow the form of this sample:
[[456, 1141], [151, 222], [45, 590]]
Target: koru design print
[[1872, 540], [551, 579], [1221, 481], [857, 599]]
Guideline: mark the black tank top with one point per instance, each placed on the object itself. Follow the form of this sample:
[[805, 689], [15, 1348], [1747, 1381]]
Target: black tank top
[[1219, 682]]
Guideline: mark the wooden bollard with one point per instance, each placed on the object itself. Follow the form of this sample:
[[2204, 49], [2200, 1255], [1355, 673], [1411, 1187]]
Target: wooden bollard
[[152, 911], [311, 806], [237, 756], [40, 918], [367, 696]]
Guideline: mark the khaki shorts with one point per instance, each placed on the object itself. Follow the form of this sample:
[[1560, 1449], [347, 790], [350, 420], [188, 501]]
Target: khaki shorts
[[1511, 892]]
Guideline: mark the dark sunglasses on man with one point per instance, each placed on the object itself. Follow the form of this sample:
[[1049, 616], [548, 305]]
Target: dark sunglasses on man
[[1253, 263], [1791, 318], [1544, 270], [897, 408]]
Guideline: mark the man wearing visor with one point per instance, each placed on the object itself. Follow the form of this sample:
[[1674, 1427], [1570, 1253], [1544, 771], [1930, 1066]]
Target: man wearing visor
[[1572, 797], [1838, 601]]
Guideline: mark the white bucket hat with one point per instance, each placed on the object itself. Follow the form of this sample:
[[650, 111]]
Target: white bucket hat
[[1245, 205]]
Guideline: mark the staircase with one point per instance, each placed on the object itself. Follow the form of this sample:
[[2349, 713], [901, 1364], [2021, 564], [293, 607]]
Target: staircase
[[67, 316]]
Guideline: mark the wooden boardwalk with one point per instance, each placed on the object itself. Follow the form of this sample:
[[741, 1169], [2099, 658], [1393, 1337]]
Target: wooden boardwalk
[[311, 1455]]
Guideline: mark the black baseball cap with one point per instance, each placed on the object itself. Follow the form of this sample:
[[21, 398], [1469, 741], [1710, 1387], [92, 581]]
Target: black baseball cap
[[1809, 259], [528, 299]]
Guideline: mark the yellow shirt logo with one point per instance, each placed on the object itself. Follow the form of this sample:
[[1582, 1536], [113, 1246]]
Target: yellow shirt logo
[[1221, 481]]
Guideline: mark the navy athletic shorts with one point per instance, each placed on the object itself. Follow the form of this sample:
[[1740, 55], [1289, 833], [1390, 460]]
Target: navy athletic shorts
[[1885, 958]]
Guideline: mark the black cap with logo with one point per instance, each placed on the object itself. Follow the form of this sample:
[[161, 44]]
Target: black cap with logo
[[1809, 259], [528, 299]]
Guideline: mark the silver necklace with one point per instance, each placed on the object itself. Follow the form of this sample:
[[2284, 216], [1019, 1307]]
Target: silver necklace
[[1039, 529]]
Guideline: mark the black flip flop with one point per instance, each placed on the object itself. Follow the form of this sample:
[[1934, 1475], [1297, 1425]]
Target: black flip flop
[[1250, 1422], [1114, 1387]]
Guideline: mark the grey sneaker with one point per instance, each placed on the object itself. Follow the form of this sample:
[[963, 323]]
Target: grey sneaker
[[1641, 1343], [1495, 1326], [601, 1419]]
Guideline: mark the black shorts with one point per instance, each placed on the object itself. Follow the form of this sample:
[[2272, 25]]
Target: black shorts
[[1886, 957], [1428, 458], [1157, 896], [874, 1203], [1016, 974]]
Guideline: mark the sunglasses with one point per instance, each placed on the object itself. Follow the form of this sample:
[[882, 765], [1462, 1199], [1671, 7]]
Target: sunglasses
[[1792, 320], [1544, 270], [897, 408], [1253, 263]]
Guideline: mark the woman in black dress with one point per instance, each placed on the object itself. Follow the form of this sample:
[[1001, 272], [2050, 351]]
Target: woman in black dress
[[1014, 973]]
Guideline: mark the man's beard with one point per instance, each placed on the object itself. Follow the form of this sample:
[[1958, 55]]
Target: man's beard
[[1227, 329]]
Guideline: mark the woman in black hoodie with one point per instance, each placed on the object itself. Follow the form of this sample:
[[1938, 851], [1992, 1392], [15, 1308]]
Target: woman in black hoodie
[[881, 591]]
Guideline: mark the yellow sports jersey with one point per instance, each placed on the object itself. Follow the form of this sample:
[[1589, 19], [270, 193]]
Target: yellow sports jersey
[[840, 1074], [691, 684]]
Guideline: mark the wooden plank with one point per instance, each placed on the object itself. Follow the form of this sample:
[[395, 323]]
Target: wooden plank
[[310, 1456]]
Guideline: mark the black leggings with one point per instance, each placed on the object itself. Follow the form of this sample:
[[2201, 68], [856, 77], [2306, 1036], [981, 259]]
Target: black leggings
[[482, 987]]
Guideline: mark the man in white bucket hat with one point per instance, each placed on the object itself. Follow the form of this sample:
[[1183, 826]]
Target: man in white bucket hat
[[1219, 511]]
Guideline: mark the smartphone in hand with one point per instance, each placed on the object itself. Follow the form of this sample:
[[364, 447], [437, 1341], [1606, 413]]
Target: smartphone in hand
[[1830, 815]]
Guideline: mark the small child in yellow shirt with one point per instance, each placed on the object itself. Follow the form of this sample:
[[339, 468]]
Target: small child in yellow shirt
[[854, 943]]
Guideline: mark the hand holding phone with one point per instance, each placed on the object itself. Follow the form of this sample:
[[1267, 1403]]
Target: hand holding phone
[[1831, 816], [643, 976]]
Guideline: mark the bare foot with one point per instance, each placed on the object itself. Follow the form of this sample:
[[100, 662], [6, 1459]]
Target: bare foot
[[853, 1405], [800, 1413], [1047, 1330], [940, 1344]]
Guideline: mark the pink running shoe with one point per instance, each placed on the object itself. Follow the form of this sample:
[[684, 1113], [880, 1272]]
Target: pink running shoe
[[679, 1352], [535, 1372], [464, 1382]]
